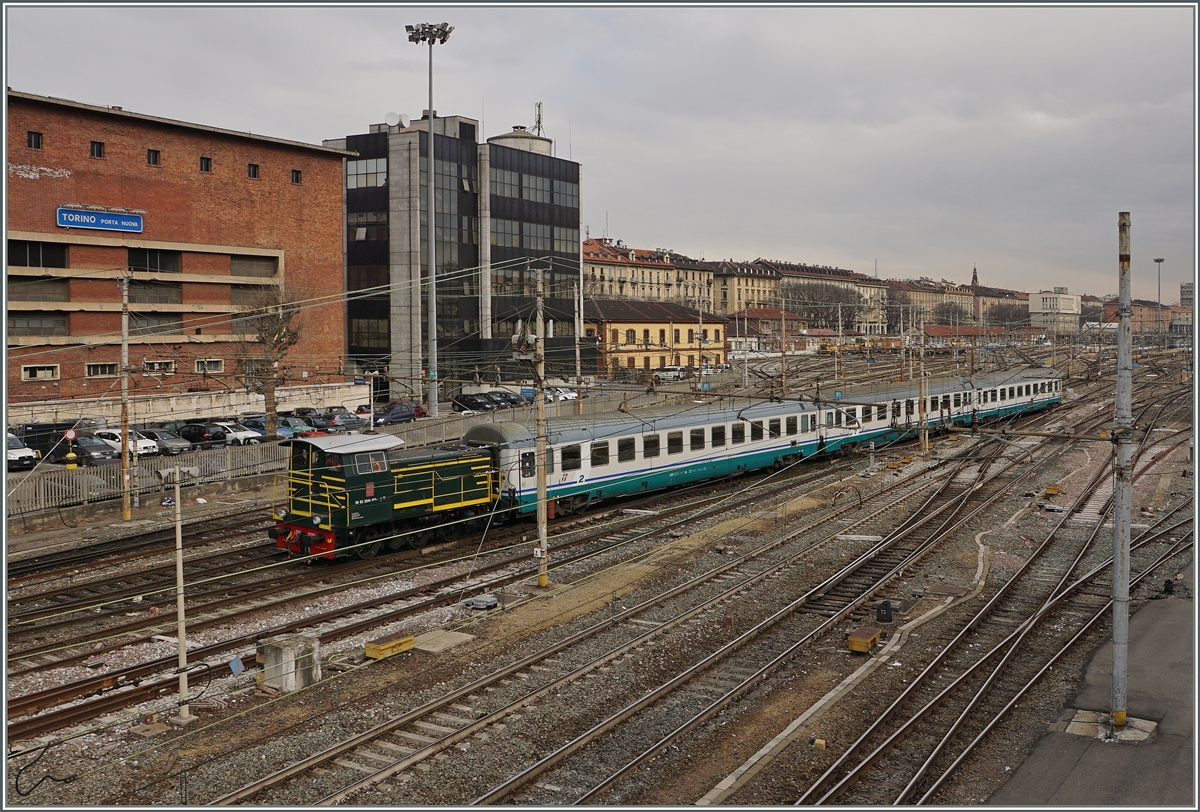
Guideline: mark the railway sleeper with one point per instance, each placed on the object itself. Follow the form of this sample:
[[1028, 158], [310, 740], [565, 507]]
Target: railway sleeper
[[354, 765]]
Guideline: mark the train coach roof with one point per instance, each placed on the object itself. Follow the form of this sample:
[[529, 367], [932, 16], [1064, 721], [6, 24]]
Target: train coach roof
[[350, 443], [934, 385]]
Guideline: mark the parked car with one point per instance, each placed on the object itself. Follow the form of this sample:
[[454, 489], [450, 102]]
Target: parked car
[[512, 397], [495, 398], [672, 373], [299, 428], [400, 412], [471, 403], [237, 434], [565, 393], [19, 455], [259, 424], [318, 423], [202, 435], [169, 443], [416, 408], [89, 450], [363, 409], [145, 446], [343, 418]]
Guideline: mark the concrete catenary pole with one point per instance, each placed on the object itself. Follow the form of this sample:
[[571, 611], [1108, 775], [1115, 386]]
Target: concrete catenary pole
[[185, 714], [540, 374], [1123, 470], [921, 390], [577, 295], [126, 513]]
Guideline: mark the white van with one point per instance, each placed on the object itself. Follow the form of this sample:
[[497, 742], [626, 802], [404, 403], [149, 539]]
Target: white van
[[664, 374]]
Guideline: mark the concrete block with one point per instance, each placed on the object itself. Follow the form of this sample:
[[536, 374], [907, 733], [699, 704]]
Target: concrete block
[[291, 661]]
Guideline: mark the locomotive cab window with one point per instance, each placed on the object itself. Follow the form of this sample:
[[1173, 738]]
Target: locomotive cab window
[[528, 464], [572, 458], [718, 436], [372, 462], [674, 442], [626, 449], [756, 431], [599, 454], [650, 445], [302, 454]]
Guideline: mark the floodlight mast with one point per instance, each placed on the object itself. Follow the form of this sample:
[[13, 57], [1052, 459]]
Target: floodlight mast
[[431, 33]]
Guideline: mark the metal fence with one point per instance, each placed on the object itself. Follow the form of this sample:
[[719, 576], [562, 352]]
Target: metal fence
[[48, 490]]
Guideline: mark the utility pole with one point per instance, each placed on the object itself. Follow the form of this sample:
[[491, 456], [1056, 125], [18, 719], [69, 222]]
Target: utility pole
[[539, 372], [1158, 304], [921, 415], [1123, 491], [783, 349], [841, 373], [126, 513], [185, 714], [745, 352], [577, 295]]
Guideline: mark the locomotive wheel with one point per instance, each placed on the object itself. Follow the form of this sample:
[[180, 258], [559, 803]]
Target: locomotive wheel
[[369, 550], [418, 540]]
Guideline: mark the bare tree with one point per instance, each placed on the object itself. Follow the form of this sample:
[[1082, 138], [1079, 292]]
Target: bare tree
[[898, 308], [1008, 315], [949, 313], [817, 303], [268, 331]]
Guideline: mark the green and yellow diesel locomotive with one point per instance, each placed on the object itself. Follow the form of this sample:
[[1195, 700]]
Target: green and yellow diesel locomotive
[[352, 494]]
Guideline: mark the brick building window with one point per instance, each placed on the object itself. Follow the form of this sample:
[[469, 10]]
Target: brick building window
[[155, 259], [37, 289], [297, 176], [47, 372], [249, 295], [252, 170], [141, 292], [33, 140], [32, 254], [101, 370], [210, 365], [150, 324], [252, 266], [205, 164], [152, 157], [158, 367], [37, 324], [97, 149]]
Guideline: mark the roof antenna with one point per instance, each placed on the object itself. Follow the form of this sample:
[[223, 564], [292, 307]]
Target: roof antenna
[[537, 120]]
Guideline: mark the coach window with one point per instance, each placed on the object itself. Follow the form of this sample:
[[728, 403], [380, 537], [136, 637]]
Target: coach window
[[773, 427], [549, 460], [697, 440], [881, 412], [718, 436], [738, 433], [957, 401], [790, 424], [1003, 394], [946, 402], [756, 432], [867, 414], [626, 449], [674, 442], [829, 418], [650, 445], [528, 465], [599, 454], [837, 417], [571, 458]]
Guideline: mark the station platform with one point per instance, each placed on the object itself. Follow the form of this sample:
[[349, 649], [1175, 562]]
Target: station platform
[[1080, 770]]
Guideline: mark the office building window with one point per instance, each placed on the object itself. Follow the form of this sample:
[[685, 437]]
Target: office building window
[[367, 277], [252, 266], [367, 225], [151, 324], [566, 194], [97, 149], [566, 241], [536, 237], [535, 188], [45, 372], [144, 292], [33, 140], [37, 324], [205, 164], [365, 174], [155, 259], [505, 183], [101, 370], [37, 289], [32, 254], [369, 333], [297, 176], [152, 157], [252, 170], [506, 233]]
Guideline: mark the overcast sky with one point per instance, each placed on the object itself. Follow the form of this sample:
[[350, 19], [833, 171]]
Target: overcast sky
[[928, 139]]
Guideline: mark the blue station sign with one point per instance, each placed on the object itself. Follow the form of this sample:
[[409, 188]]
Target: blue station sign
[[102, 220]]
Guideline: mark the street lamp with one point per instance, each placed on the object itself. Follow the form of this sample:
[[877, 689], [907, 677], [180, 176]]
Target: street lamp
[[431, 33], [1158, 302]]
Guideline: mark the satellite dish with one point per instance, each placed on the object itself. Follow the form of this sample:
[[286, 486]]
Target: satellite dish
[[396, 119]]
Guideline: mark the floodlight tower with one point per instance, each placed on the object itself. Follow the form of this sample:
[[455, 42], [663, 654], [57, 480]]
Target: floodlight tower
[[1158, 302]]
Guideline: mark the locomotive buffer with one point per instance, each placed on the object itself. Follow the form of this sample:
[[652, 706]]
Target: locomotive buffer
[[532, 349]]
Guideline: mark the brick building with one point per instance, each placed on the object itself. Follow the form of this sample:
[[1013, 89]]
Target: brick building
[[205, 222]]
